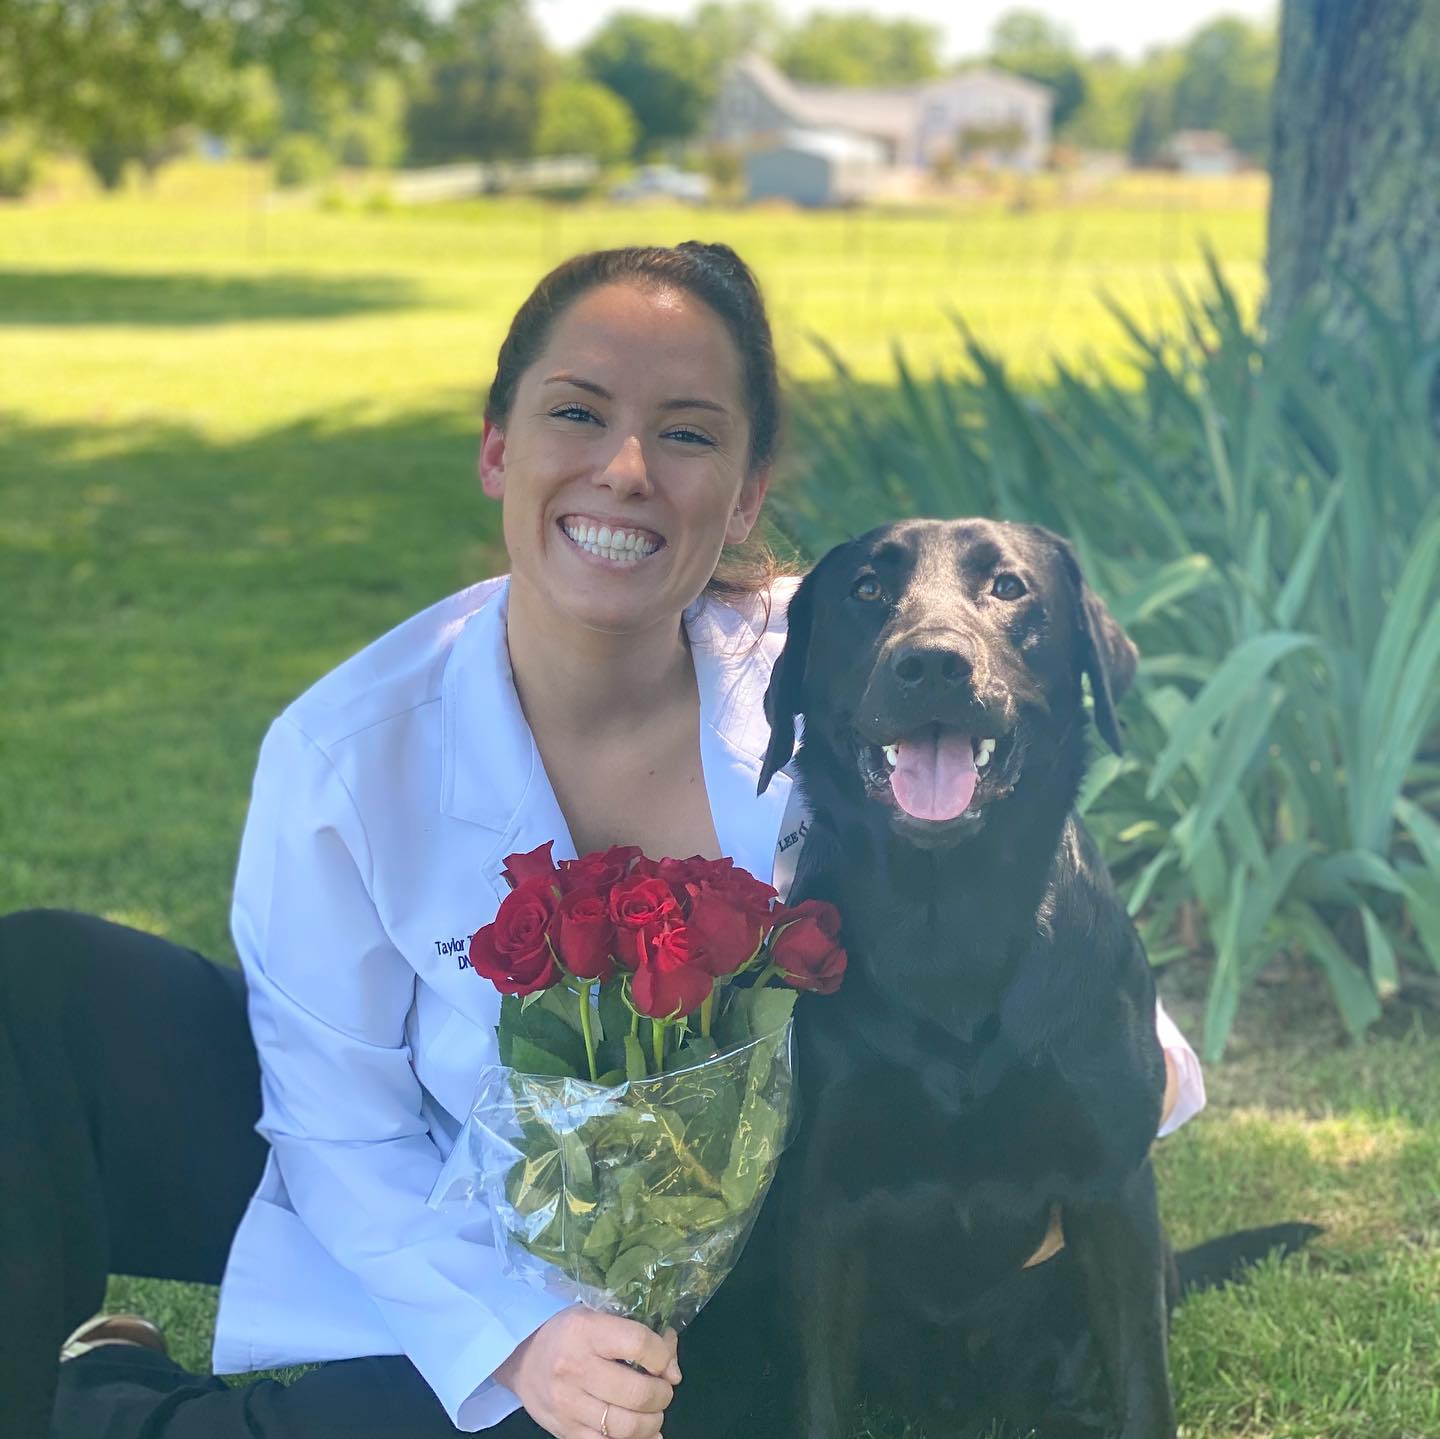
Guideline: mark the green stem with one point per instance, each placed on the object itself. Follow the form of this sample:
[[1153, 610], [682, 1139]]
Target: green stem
[[766, 975], [707, 1009], [657, 1043], [585, 1029]]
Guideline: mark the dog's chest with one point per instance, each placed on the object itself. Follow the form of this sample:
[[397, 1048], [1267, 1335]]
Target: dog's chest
[[1020, 1139]]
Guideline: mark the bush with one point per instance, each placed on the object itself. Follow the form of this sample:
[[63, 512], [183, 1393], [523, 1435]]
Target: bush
[[578, 117], [301, 160], [1272, 540], [19, 163]]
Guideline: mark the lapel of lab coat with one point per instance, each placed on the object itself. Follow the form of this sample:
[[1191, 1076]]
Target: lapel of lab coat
[[492, 774]]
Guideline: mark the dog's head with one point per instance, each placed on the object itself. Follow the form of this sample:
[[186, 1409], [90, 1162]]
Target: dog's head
[[938, 667]]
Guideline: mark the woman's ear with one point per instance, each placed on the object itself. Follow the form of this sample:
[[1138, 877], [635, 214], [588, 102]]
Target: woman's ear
[[747, 507], [491, 464]]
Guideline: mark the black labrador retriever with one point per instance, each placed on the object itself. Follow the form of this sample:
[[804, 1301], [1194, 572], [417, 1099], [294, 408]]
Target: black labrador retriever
[[991, 1059]]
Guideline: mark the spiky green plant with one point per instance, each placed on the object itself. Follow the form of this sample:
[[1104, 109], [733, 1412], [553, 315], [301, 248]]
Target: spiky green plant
[[1263, 514]]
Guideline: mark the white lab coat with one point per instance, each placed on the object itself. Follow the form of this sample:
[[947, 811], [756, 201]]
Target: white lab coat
[[385, 801]]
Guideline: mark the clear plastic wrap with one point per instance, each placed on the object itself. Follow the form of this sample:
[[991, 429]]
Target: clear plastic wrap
[[634, 1198]]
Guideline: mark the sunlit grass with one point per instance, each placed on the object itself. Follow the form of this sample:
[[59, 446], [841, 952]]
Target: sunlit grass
[[238, 442]]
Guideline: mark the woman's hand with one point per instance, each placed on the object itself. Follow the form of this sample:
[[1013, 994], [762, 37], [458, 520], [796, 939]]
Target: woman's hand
[[573, 1366]]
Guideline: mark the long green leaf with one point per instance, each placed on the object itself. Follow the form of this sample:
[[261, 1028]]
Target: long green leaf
[[1302, 570], [1231, 685], [1424, 830], [1354, 996], [1161, 588], [1384, 971]]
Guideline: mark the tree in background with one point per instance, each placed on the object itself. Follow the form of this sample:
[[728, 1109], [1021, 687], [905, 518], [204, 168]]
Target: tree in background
[[1029, 43], [1153, 98], [1355, 161], [860, 48], [479, 96], [129, 80], [723, 32], [654, 67], [105, 77], [579, 117], [1227, 74]]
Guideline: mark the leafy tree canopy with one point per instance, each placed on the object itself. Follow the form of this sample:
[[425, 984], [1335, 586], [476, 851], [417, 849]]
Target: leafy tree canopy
[[579, 117], [1029, 43], [655, 66], [480, 95], [860, 48]]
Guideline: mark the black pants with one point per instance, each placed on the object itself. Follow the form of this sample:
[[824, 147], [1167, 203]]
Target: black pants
[[129, 1090]]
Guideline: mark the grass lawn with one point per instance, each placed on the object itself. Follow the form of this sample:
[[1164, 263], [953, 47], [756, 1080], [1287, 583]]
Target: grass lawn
[[237, 442]]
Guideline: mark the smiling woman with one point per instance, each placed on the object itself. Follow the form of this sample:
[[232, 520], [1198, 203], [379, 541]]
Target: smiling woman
[[609, 689]]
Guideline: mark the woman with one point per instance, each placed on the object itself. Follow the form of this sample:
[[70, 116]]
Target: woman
[[606, 691]]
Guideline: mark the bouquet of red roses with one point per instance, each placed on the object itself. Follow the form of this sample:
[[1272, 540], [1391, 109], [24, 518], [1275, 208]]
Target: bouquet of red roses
[[625, 1142]]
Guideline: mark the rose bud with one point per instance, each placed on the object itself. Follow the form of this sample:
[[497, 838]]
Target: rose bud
[[805, 950], [537, 864], [584, 935]]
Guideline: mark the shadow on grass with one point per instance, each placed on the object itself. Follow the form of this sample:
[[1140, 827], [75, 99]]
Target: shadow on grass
[[100, 297], [165, 595]]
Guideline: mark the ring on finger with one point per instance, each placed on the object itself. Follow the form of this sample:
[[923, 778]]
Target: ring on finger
[[603, 1420]]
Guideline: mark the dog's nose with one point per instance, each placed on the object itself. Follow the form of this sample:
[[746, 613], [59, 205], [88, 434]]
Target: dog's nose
[[929, 663]]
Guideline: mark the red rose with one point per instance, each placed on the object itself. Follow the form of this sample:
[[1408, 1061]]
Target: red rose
[[805, 951], [668, 984], [677, 873], [746, 892], [639, 901], [523, 920], [584, 935], [723, 933], [521, 868], [598, 870], [512, 973]]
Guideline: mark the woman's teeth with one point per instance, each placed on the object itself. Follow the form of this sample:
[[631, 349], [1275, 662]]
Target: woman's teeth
[[620, 546]]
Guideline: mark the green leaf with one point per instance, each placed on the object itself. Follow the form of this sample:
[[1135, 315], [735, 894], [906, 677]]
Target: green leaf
[[634, 1266], [688, 1214], [754, 1153], [1354, 996], [543, 1029], [1424, 830], [1422, 898], [769, 1008], [1224, 993], [1231, 685], [1302, 569], [1161, 588], [1384, 972], [634, 1058], [1241, 736], [529, 1058]]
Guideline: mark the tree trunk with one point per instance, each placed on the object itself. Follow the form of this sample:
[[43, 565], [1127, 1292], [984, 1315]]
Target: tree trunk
[[1356, 160]]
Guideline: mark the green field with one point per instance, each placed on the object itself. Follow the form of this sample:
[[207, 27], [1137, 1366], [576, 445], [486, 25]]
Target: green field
[[237, 441]]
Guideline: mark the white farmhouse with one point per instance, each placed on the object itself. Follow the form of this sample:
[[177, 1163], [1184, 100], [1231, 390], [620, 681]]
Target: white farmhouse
[[980, 113]]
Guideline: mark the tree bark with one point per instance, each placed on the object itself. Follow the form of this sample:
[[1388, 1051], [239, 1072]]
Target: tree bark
[[1356, 161]]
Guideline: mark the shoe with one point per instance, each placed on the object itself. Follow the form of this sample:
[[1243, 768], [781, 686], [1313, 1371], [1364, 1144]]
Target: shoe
[[114, 1329]]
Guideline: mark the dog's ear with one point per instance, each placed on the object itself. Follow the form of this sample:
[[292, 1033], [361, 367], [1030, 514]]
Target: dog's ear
[[1108, 654], [783, 698]]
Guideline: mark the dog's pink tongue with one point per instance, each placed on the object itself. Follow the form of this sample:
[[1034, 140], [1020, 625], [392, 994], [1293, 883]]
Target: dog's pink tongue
[[935, 774]]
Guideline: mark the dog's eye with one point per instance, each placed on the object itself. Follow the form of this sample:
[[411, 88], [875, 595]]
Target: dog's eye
[[1007, 587], [867, 589]]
